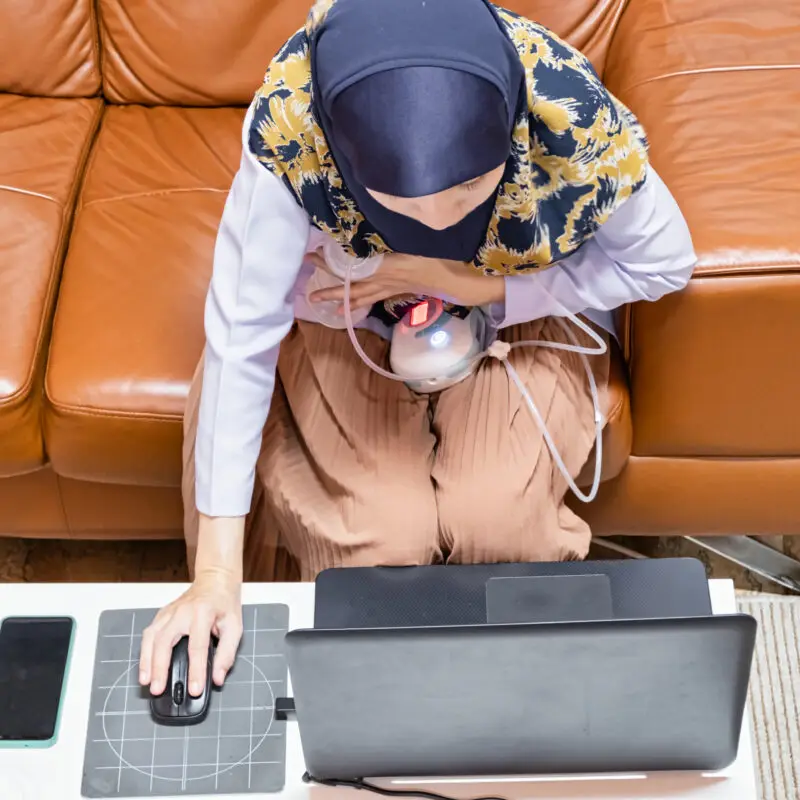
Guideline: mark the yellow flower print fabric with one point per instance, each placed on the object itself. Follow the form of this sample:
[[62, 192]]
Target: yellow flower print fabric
[[577, 153]]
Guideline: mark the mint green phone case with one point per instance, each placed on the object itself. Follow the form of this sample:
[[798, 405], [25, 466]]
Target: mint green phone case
[[44, 743]]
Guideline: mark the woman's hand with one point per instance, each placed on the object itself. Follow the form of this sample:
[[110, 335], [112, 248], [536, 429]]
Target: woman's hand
[[400, 275], [212, 604]]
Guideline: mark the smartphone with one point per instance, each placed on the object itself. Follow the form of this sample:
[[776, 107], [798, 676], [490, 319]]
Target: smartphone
[[34, 659]]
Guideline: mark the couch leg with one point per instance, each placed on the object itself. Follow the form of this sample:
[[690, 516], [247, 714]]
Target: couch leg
[[755, 556]]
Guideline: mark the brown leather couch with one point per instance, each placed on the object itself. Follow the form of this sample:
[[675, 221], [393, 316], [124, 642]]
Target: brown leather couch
[[119, 136]]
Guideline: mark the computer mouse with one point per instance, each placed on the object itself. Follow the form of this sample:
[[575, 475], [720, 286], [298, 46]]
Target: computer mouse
[[175, 706]]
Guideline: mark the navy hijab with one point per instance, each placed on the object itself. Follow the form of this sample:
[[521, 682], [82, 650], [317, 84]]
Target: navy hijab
[[415, 97]]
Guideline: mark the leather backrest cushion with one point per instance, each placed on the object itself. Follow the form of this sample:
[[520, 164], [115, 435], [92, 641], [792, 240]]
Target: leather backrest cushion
[[209, 53], [192, 52], [659, 39], [49, 48]]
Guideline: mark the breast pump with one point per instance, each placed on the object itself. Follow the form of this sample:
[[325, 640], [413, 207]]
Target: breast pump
[[432, 349]]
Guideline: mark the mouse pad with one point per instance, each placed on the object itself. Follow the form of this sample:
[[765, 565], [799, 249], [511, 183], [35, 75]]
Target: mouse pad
[[238, 748], [548, 598]]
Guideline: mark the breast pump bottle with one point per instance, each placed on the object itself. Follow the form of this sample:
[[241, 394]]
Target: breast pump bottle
[[337, 260]]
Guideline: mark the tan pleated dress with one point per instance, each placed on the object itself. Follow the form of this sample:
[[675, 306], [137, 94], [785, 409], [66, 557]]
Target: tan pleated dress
[[357, 470]]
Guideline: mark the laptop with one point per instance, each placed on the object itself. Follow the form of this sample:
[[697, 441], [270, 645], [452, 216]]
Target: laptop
[[396, 597], [612, 696]]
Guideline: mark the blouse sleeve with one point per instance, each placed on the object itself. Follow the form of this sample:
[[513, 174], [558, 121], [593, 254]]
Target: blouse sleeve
[[259, 252], [643, 252]]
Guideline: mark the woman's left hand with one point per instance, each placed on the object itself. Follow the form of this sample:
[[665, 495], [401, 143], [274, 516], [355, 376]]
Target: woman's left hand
[[399, 275]]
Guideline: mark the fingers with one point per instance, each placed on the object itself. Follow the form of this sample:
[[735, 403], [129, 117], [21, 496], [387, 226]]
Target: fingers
[[363, 296], [317, 260], [148, 639], [199, 640], [230, 634], [360, 289], [163, 642], [334, 293], [200, 610]]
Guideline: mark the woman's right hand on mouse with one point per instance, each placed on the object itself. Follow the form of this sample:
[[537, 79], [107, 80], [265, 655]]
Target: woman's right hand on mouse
[[211, 605]]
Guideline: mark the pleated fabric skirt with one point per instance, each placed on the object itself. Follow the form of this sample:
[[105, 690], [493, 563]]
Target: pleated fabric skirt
[[357, 470]]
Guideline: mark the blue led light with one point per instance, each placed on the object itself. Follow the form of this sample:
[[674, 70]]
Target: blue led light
[[440, 339]]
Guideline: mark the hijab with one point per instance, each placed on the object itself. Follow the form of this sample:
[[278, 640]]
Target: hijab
[[410, 97], [415, 97]]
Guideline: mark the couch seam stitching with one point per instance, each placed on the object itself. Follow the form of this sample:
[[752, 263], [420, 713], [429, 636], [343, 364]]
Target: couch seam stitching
[[153, 193], [102, 46], [68, 214], [59, 254], [88, 166], [623, 7], [81, 173], [710, 71], [62, 505], [120, 416], [95, 34], [5, 187], [739, 269]]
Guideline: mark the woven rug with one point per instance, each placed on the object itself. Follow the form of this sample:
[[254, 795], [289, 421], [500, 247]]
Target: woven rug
[[775, 694]]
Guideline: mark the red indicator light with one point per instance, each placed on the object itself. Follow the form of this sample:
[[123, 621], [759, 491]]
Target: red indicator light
[[419, 314]]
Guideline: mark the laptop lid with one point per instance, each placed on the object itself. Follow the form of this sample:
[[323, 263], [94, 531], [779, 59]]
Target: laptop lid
[[574, 697], [394, 597]]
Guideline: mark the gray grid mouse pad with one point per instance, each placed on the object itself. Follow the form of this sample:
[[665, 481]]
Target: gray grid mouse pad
[[238, 748]]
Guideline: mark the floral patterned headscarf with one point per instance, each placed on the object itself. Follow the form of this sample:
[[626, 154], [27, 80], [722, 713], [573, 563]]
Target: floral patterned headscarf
[[577, 153]]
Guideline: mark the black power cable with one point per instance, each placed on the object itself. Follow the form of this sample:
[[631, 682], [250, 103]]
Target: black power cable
[[360, 783]]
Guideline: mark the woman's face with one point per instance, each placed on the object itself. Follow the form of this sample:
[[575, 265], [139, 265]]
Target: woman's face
[[444, 209]]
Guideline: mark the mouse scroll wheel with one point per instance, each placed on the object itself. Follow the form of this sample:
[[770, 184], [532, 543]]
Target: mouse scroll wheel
[[178, 693]]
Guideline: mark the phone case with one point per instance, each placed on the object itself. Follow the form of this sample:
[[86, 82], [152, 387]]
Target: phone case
[[45, 743]]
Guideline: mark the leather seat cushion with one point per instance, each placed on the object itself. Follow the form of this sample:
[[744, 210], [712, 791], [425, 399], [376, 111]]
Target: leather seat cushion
[[698, 497], [710, 374], [129, 326], [43, 147]]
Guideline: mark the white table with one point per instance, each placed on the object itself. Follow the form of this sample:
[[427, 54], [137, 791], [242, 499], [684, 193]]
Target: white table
[[55, 773]]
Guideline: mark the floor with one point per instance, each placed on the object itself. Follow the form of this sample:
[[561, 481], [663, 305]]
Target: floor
[[51, 561], [38, 560], [716, 566]]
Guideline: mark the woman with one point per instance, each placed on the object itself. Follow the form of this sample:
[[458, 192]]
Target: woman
[[472, 149]]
